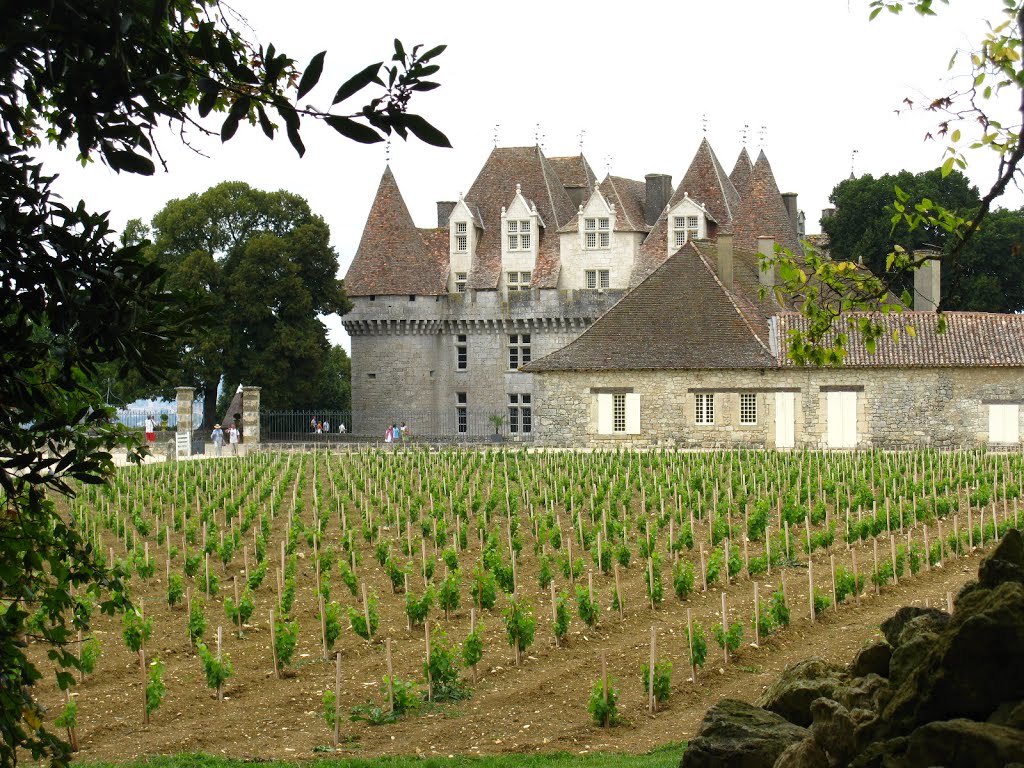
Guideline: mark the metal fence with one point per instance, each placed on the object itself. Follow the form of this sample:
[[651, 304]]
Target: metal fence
[[136, 417], [453, 425]]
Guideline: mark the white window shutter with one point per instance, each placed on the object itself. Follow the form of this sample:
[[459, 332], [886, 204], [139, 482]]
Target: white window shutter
[[605, 423], [632, 413], [1004, 424]]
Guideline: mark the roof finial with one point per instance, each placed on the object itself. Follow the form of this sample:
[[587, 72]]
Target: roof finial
[[519, 188], [762, 136], [853, 159], [582, 133], [745, 134], [496, 127], [607, 165], [387, 152], [704, 123], [536, 134]]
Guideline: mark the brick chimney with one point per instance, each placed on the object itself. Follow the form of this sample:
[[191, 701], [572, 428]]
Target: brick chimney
[[444, 212], [789, 200], [927, 281], [725, 271], [659, 192], [766, 246]]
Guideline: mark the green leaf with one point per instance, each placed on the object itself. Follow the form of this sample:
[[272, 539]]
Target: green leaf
[[947, 167], [357, 82], [425, 132], [312, 75], [238, 110], [435, 51], [210, 90], [350, 129], [130, 162]]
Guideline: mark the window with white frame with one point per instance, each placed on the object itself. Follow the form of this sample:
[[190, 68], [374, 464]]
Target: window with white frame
[[518, 350], [705, 412], [685, 228], [461, 237], [598, 278], [460, 282], [519, 232], [748, 408], [520, 413], [597, 232], [618, 412], [518, 281], [461, 412], [461, 352]]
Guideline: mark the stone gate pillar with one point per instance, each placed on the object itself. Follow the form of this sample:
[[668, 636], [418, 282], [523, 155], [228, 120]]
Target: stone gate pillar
[[184, 398], [250, 414]]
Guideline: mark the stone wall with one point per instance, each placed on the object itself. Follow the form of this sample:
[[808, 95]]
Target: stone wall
[[896, 408]]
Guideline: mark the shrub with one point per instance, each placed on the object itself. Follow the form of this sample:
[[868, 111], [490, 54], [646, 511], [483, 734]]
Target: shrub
[[443, 670], [821, 603], [451, 559], [845, 585], [256, 577], [332, 623], [728, 638], [197, 619], [766, 625], [520, 625], [90, 655], [217, 671], [604, 710], [561, 625], [683, 578], [358, 621], [545, 574], [623, 554], [655, 590], [473, 646], [713, 567], [348, 577], [418, 609], [240, 614], [698, 646], [662, 680], [155, 688], [484, 588], [778, 609], [588, 609], [448, 597], [396, 573], [137, 630], [175, 589]]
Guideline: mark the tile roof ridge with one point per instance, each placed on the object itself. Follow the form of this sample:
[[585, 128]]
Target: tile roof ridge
[[729, 294], [620, 207]]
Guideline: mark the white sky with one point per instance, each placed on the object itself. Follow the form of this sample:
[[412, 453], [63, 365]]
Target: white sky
[[639, 77]]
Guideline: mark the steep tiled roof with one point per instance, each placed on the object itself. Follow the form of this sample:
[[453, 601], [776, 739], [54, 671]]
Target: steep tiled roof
[[705, 182], [679, 318], [574, 171], [652, 252], [392, 257], [971, 339], [740, 176], [494, 187], [628, 197], [762, 213]]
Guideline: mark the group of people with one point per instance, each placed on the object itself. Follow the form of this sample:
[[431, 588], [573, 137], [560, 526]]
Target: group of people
[[218, 438], [324, 427], [396, 433]]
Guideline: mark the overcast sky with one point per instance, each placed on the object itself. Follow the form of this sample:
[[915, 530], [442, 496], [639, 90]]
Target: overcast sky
[[644, 80]]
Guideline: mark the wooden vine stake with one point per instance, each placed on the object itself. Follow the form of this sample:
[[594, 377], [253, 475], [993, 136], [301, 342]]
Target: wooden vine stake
[[604, 686], [145, 682], [188, 608], [725, 628], [337, 699], [391, 678], [618, 592], [856, 577], [220, 641], [832, 564], [273, 645], [810, 587], [757, 617], [366, 613], [689, 639], [652, 700], [430, 682]]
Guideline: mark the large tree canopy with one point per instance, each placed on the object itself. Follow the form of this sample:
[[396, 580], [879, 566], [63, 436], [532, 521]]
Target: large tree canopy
[[262, 264], [101, 75], [982, 278]]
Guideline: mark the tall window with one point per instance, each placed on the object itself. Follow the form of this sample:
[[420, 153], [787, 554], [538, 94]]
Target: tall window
[[618, 412], [520, 413], [518, 350], [519, 233], [748, 408], [598, 278], [461, 352], [518, 281], [460, 282], [461, 237], [705, 408], [597, 232], [461, 414]]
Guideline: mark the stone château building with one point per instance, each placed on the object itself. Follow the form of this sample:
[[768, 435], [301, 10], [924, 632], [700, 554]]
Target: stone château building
[[444, 318]]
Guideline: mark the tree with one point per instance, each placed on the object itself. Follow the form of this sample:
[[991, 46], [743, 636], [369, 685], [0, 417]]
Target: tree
[[970, 119], [102, 75], [333, 388], [262, 265]]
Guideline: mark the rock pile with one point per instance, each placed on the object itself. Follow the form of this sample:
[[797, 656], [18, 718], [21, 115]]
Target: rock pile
[[940, 690]]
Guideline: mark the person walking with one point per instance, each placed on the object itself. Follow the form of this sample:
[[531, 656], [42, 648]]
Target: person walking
[[233, 435], [150, 429], [218, 439]]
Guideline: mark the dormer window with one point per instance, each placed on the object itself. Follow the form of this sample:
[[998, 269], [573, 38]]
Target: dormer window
[[597, 231], [685, 228], [461, 237], [517, 281], [519, 232]]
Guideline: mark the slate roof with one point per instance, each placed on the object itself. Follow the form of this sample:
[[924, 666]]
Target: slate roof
[[740, 176], [628, 197], [393, 258], [574, 171], [494, 188], [706, 182], [762, 213], [681, 317], [971, 339]]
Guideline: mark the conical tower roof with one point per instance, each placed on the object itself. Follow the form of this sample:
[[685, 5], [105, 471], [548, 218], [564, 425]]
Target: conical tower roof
[[740, 175], [762, 212], [706, 182]]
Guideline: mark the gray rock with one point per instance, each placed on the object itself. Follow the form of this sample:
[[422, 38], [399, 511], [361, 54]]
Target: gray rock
[[740, 735], [881, 754], [1006, 563], [1010, 714], [923, 619], [872, 659], [963, 744], [804, 754], [833, 729], [799, 685], [909, 654], [870, 692]]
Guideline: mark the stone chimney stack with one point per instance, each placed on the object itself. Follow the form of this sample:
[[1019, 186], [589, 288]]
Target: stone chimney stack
[[659, 192], [789, 200], [444, 212], [725, 271], [927, 282], [766, 247]]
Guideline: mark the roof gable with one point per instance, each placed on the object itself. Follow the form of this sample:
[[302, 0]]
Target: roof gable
[[392, 257], [681, 317], [627, 195], [706, 182]]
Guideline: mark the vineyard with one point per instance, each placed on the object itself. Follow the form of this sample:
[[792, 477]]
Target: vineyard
[[494, 601]]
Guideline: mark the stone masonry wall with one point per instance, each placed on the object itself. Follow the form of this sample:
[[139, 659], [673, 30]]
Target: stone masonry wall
[[896, 408]]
